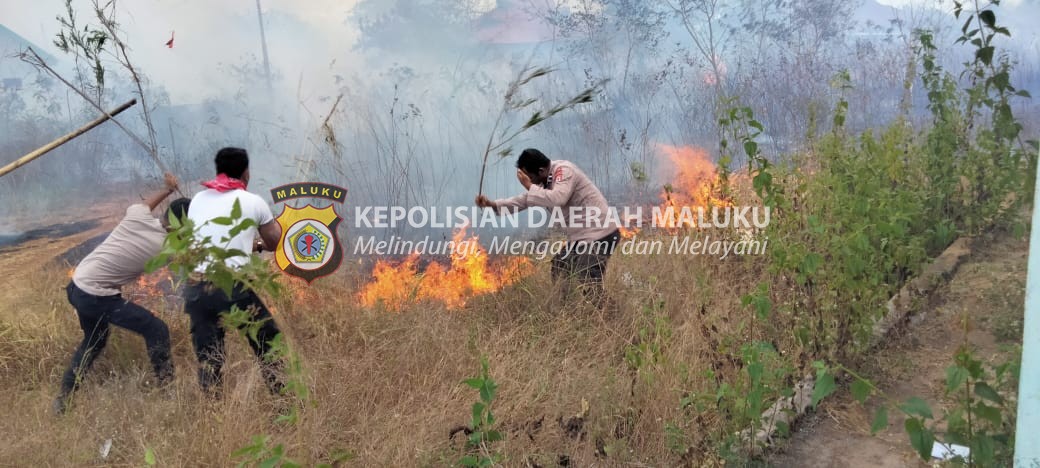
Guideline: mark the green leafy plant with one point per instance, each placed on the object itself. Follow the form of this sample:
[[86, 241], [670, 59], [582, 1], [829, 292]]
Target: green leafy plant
[[647, 353], [759, 376], [639, 174], [261, 453], [843, 82], [763, 372], [976, 135], [738, 125], [981, 414], [85, 42], [983, 417], [482, 422]]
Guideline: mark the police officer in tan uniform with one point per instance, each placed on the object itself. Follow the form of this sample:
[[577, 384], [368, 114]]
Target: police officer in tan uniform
[[591, 234]]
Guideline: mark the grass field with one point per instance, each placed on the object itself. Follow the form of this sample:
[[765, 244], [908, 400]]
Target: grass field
[[386, 385]]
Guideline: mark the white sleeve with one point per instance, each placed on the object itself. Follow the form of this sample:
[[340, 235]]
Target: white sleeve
[[263, 213]]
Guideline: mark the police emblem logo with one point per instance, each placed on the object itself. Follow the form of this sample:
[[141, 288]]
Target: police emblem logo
[[309, 244], [309, 247]]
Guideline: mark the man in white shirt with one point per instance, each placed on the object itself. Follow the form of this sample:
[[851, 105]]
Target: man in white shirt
[[95, 291], [204, 302], [591, 234]]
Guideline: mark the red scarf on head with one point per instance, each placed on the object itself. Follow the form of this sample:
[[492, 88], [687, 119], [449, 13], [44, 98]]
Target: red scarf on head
[[223, 183]]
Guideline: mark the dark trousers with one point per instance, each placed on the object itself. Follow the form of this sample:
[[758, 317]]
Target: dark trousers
[[205, 305], [96, 313], [585, 263]]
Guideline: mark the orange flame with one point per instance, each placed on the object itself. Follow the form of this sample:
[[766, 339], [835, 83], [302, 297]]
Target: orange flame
[[697, 184], [628, 233], [154, 291], [147, 284], [470, 274], [392, 285]]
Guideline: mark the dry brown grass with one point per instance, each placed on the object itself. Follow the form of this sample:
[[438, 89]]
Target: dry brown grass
[[387, 386]]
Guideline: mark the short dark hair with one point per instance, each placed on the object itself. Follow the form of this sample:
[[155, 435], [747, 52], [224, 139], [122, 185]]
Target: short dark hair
[[178, 208], [531, 160], [232, 162]]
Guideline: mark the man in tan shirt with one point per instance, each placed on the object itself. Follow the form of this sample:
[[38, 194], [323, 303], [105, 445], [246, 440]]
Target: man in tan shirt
[[95, 290], [592, 234]]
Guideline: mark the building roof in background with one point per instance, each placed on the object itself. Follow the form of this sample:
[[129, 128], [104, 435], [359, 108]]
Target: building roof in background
[[11, 44]]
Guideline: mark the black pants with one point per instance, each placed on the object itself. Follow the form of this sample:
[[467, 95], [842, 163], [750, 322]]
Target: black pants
[[96, 313], [585, 263], [205, 304]]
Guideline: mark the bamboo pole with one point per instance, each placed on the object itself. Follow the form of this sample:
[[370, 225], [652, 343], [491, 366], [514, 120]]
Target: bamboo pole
[[65, 139]]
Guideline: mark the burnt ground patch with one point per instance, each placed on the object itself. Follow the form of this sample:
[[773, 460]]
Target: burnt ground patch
[[10, 242], [76, 254]]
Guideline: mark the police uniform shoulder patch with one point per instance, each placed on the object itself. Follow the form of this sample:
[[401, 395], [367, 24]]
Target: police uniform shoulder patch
[[562, 174]]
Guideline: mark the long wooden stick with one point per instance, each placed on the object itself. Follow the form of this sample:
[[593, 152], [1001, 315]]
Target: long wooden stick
[[61, 141], [487, 150]]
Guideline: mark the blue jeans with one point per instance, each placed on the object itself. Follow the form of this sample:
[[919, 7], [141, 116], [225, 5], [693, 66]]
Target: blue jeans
[[95, 314]]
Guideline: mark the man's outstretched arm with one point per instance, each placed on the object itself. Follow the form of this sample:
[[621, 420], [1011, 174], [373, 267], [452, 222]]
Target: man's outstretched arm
[[269, 235], [156, 198]]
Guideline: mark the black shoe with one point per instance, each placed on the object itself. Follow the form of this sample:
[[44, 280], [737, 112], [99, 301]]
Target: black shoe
[[277, 388], [213, 392], [60, 406]]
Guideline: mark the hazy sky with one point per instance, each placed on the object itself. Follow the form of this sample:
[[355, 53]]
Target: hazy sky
[[304, 37], [900, 3], [208, 33]]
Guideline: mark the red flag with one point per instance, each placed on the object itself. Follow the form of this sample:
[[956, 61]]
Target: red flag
[[169, 43]]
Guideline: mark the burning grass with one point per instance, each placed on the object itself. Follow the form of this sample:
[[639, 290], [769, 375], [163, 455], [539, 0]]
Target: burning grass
[[471, 273], [387, 386], [695, 184]]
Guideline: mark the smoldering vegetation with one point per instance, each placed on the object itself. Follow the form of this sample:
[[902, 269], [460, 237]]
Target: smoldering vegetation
[[400, 114]]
